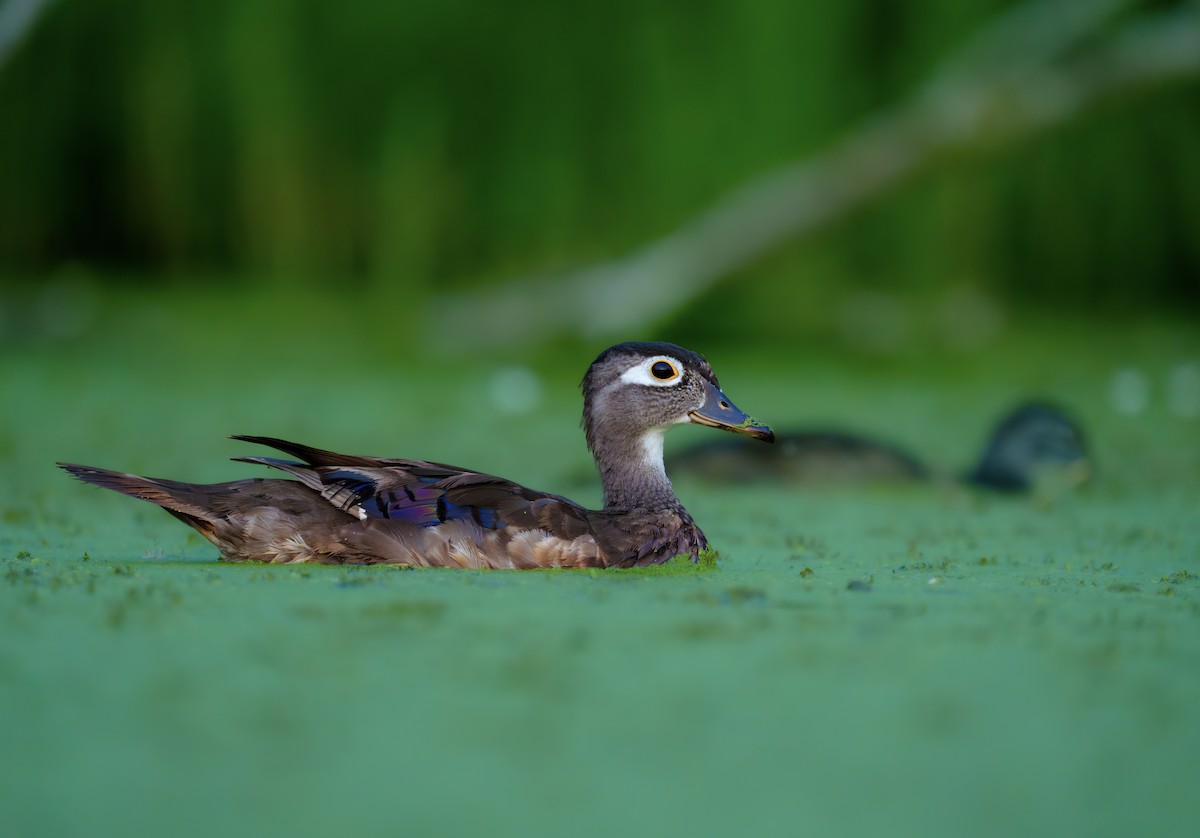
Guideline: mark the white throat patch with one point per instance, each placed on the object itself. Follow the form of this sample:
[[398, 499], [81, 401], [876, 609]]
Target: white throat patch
[[652, 446], [640, 373]]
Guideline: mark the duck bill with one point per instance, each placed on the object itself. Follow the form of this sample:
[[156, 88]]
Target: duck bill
[[719, 412]]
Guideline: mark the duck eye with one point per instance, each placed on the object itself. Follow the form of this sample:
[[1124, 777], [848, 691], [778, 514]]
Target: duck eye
[[663, 371]]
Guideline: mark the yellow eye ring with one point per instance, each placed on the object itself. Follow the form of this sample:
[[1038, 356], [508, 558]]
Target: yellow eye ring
[[664, 370]]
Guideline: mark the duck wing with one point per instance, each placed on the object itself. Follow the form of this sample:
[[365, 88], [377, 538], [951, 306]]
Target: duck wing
[[391, 497]]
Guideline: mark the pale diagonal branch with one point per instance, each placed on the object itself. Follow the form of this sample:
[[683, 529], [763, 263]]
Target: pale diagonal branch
[[983, 98], [17, 18]]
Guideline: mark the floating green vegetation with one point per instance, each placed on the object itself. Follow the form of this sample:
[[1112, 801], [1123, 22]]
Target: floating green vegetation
[[814, 657], [405, 610], [680, 565]]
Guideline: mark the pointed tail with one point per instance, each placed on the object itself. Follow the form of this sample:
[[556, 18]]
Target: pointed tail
[[180, 499]]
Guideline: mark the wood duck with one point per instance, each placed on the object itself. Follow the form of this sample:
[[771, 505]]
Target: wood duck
[[1034, 444], [363, 510]]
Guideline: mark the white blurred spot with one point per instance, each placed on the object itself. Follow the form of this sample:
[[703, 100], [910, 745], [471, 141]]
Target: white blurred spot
[[516, 390], [874, 322], [969, 318], [1129, 391], [1183, 390], [68, 304]]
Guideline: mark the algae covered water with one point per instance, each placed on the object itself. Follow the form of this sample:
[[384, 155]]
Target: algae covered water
[[915, 659]]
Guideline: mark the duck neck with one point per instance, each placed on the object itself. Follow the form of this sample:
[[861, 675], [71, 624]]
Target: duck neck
[[632, 472]]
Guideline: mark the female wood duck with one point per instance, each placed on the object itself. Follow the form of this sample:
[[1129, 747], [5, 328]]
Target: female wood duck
[[1036, 444], [362, 510]]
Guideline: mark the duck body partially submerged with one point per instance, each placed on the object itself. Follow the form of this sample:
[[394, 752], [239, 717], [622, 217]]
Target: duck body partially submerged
[[347, 509]]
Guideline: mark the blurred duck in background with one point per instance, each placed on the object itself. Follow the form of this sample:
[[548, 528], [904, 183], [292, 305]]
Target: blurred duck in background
[[1035, 449], [1036, 446]]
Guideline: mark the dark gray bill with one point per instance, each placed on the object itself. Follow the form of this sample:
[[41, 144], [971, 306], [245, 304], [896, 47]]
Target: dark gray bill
[[719, 412]]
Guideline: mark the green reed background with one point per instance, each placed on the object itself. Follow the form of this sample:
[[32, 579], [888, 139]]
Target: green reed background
[[424, 145], [240, 216]]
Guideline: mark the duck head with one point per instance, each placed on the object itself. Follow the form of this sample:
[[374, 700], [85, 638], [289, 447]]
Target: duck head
[[635, 388], [634, 392]]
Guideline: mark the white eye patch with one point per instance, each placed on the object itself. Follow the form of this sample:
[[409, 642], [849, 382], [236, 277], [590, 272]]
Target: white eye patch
[[659, 371]]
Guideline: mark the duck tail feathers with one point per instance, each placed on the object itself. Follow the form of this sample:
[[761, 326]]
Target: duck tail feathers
[[183, 500]]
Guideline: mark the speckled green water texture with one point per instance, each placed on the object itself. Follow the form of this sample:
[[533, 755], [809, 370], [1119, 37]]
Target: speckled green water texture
[[897, 660]]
